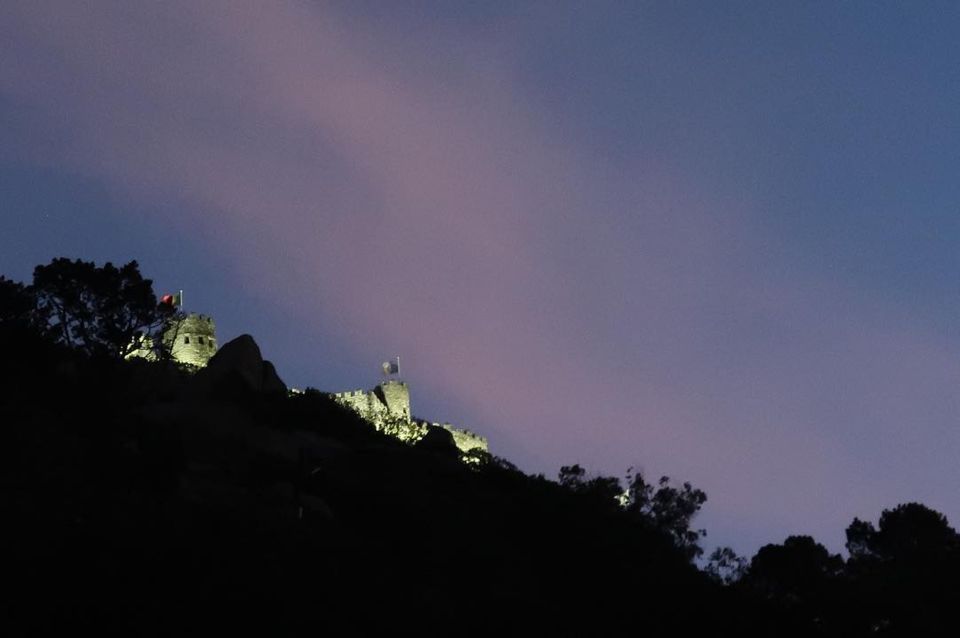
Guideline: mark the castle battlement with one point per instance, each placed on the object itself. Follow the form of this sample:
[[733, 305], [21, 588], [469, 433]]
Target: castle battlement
[[192, 340], [387, 408]]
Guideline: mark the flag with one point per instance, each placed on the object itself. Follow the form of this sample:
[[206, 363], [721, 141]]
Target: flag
[[172, 300], [391, 367]]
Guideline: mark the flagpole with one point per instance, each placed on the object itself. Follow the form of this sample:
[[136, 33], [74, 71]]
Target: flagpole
[[181, 300], [398, 366]]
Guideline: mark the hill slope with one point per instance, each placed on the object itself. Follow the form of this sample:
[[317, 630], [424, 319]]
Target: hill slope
[[144, 500]]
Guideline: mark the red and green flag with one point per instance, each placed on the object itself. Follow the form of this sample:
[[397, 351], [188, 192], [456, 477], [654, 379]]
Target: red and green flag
[[174, 300]]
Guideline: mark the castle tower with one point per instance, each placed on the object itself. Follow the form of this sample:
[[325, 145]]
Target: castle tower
[[192, 340], [395, 395], [387, 408]]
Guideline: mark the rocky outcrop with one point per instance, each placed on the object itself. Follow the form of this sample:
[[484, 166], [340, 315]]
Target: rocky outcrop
[[438, 440], [239, 368], [271, 382]]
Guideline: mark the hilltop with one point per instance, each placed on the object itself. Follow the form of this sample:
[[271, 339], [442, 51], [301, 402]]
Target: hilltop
[[139, 496], [143, 496]]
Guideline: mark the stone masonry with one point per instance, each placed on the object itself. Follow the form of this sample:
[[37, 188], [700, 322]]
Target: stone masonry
[[387, 407]]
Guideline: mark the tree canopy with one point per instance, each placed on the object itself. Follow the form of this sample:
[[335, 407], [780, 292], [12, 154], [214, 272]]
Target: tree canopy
[[908, 532], [797, 568], [102, 311], [670, 509], [18, 305]]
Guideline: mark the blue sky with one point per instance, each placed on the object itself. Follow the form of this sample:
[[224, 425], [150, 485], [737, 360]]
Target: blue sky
[[712, 240]]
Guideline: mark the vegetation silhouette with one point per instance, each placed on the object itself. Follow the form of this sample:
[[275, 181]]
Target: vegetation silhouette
[[105, 311], [145, 500]]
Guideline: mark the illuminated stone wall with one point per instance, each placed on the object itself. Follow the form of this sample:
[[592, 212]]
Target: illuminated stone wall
[[387, 407], [192, 340], [389, 401], [465, 439], [365, 403], [395, 395]]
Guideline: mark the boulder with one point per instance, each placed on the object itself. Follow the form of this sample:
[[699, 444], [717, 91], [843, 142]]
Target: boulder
[[440, 441], [239, 368], [271, 383]]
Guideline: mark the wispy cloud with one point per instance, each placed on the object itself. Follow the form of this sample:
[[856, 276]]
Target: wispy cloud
[[578, 311]]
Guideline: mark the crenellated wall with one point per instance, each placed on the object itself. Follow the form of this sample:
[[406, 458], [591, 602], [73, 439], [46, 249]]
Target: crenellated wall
[[387, 407], [395, 395], [465, 439], [387, 402], [190, 339], [193, 341]]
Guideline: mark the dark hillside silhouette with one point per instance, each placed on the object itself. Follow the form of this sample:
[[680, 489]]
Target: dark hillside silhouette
[[142, 499]]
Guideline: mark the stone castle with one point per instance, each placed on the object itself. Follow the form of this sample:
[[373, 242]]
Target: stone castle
[[387, 407], [193, 341], [190, 339]]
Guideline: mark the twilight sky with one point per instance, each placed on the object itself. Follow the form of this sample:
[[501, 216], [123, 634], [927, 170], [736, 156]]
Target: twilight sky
[[711, 240]]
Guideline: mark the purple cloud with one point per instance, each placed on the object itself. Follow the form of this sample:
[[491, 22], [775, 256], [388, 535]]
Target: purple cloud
[[577, 309]]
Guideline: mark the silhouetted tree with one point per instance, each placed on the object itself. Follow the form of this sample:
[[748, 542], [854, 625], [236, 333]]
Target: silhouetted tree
[[572, 476], [174, 320], [16, 303], [604, 490], [904, 571], [668, 509], [725, 566], [477, 458], [18, 308], [27, 349], [97, 310], [794, 570], [909, 532]]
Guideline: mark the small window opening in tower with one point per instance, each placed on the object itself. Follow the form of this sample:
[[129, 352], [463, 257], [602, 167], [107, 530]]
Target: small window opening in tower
[[201, 341], [186, 339]]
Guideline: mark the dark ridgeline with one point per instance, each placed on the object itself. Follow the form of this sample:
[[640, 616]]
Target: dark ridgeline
[[142, 499]]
